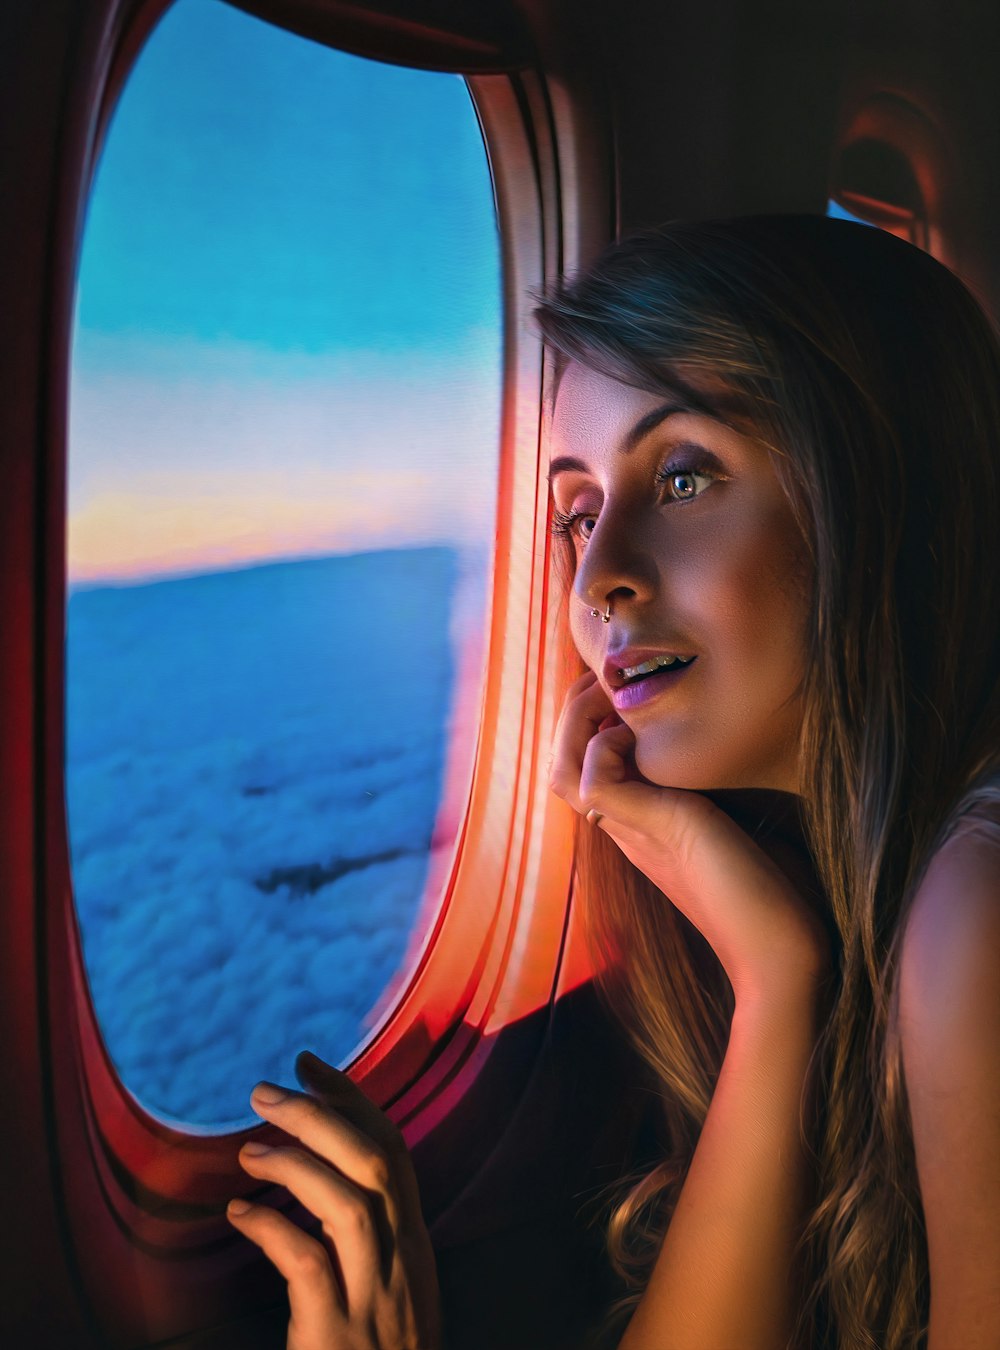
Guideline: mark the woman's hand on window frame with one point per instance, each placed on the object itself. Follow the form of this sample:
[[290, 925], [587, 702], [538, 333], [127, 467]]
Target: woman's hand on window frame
[[370, 1282]]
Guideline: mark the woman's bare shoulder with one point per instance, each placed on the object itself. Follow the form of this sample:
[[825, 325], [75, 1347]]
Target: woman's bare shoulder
[[953, 924], [959, 885], [949, 1030]]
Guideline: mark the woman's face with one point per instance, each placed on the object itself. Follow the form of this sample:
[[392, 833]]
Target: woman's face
[[680, 525]]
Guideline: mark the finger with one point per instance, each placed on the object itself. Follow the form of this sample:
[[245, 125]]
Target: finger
[[340, 1091], [607, 762], [333, 1138], [342, 1209], [316, 1076], [580, 721], [632, 808], [612, 790], [585, 702], [314, 1297], [581, 682], [610, 785]]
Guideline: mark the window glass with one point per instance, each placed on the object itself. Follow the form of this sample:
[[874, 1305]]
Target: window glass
[[873, 172], [283, 461], [837, 212], [881, 215], [876, 185]]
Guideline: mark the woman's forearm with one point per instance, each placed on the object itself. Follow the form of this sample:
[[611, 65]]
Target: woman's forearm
[[724, 1277]]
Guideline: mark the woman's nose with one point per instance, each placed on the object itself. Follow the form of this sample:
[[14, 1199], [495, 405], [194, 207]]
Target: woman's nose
[[616, 563]]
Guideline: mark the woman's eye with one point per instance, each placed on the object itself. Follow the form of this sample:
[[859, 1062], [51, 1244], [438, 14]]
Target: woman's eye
[[575, 524], [684, 484], [681, 482]]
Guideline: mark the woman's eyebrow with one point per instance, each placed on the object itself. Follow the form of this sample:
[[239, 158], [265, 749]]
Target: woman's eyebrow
[[570, 464], [653, 419], [565, 464]]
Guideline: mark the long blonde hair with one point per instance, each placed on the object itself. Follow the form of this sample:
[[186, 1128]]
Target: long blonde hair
[[874, 377]]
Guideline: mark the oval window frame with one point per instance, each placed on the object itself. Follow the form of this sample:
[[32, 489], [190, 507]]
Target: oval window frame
[[142, 1201], [904, 123]]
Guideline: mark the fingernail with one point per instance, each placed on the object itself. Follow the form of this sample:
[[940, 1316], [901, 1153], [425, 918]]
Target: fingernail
[[269, 1094], [254, 1150], [238, 1207]]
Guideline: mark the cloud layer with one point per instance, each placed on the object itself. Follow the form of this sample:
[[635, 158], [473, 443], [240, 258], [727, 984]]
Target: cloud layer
[[254, 772]]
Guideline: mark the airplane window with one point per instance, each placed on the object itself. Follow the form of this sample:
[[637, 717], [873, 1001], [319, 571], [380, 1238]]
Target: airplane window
[[284, 425], [876, 184]]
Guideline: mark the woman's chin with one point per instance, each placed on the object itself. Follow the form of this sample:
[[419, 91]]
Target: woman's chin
[[669, 767], [666, 769]]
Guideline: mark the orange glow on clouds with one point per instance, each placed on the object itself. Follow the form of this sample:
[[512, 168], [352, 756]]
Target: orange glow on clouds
[[193, 522], [211, 457]]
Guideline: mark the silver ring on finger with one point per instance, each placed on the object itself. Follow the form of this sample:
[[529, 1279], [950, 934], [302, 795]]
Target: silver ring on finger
[[594, 817]]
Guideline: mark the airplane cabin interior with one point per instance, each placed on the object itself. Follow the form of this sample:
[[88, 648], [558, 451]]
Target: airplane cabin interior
[[519, 1098]]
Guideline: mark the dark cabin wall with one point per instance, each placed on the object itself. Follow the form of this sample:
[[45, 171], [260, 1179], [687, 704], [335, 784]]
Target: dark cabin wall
[[733, 107]]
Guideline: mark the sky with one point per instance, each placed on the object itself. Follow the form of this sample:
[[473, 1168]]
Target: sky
[[287, 336]]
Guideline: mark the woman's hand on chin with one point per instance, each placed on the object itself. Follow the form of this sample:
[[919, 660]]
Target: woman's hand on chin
[[768, 939], [370, 1282]]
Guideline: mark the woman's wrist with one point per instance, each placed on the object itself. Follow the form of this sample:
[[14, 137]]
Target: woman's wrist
[[791, 988], [794, 972]]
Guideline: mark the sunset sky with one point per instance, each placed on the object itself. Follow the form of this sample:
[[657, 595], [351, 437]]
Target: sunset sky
[[288, 315]]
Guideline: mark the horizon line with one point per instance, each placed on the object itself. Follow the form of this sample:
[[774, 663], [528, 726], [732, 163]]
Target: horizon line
[[142, 577]]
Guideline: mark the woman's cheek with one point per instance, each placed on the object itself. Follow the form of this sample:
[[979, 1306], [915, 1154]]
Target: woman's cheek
[[579, 635]]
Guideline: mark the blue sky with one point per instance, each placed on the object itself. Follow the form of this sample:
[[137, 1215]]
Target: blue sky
[[289, 272]]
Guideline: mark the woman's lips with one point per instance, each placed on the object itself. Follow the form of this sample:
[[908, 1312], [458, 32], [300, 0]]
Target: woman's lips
[[642, 691]]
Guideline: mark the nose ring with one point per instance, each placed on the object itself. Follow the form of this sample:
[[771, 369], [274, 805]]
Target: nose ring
[[605, 618]]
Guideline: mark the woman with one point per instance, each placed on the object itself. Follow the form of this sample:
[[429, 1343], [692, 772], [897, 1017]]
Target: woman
[[776, 475]]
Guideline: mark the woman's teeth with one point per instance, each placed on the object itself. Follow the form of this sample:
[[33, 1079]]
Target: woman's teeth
[[647, 667]]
